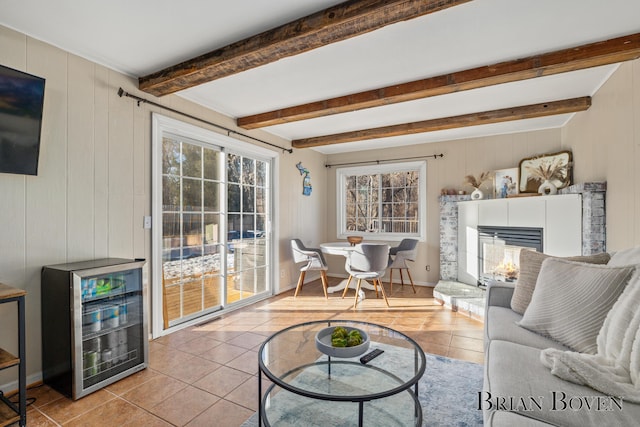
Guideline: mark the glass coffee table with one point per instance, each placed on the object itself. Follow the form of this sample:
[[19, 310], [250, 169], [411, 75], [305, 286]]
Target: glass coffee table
[[310, 388]]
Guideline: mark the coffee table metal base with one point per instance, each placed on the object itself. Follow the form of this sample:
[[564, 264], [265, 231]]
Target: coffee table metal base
[[282, 408]]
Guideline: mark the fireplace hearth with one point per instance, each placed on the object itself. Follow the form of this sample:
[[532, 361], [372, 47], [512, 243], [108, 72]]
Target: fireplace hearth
[[458, 285]]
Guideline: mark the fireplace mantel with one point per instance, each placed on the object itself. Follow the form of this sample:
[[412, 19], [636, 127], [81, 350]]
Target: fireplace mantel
[[580, 232]]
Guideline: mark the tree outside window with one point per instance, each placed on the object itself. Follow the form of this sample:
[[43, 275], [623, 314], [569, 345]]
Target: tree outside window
[[382, 199]]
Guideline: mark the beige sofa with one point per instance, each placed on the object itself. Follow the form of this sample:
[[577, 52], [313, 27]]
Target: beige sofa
[[519, 390]]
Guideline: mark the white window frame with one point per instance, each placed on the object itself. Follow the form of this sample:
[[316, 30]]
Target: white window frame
[[341, 179]]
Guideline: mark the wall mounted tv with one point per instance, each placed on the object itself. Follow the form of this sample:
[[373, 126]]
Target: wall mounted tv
[[21, 103]]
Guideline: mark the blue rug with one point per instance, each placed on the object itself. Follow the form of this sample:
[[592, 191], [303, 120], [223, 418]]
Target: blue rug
[[448, 394]]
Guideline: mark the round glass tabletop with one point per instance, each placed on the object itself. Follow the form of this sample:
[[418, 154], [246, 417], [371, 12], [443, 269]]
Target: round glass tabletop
[[291, 360]]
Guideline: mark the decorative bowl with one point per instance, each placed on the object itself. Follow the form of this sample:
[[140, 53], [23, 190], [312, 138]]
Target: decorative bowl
[[354, 240], [323, 343]]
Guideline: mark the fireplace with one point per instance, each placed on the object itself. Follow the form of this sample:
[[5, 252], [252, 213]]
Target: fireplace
[[499, 251], [574, 223]]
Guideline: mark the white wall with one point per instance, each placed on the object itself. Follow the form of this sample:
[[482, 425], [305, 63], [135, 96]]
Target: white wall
[[94, 181], [304, 216], [605, 141]]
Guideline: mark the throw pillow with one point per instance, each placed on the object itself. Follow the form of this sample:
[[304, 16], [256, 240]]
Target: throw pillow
[[625, 257], [530, 263], [572, 300]]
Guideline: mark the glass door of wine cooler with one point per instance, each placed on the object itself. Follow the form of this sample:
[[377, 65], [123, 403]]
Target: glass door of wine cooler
[[109, 328]]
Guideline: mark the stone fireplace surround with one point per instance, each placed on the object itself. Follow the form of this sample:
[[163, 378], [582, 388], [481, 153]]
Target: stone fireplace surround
[[470, 299]]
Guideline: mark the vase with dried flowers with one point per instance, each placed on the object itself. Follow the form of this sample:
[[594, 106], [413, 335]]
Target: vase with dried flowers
[[548, 171], [476, 183]]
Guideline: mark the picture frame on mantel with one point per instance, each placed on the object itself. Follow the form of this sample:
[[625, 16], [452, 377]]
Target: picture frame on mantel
[[530, 183], [506, 182]]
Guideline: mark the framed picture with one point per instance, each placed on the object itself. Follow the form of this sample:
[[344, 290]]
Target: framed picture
[[506, 182], [532, 169]]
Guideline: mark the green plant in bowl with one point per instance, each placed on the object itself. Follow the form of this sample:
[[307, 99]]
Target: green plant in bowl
[[342, 341]]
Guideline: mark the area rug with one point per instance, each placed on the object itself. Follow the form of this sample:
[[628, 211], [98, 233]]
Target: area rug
[[448, 394]]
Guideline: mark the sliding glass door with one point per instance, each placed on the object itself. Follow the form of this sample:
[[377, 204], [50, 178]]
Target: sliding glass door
[[192, 220], [214, 243], [247, 203]]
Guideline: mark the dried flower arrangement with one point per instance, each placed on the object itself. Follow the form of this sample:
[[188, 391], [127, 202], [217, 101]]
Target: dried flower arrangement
[[477, 182], [549, 170]]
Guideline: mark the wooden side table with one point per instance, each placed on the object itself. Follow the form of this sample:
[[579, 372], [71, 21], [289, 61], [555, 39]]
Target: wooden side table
[[9, 411]]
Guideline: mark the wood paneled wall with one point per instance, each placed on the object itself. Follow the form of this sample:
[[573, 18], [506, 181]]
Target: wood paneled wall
[[462, 157], [94, 182], [605, 141]]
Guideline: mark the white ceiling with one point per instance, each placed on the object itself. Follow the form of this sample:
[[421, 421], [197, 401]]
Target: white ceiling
[[143, 36]]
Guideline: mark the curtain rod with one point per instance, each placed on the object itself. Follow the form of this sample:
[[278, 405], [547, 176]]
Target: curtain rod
[[122, 92], [435, 156]]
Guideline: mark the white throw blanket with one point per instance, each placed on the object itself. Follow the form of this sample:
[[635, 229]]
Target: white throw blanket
[[615, 368]]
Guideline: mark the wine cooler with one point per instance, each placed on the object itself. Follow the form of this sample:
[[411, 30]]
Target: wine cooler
[[94, 328]]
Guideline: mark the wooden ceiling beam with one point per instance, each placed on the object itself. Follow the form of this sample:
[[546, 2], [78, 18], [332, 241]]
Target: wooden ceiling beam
[[474, 119], [586, 56], [345, 20]]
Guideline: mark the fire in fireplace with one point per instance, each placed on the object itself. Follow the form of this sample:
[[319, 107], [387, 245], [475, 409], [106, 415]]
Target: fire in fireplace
[[499, 251]]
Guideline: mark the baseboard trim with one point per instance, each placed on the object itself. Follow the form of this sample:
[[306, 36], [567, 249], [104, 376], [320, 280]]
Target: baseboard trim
[[33, 380]]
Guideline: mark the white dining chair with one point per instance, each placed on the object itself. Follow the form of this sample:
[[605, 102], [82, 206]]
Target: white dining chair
[[398, 257], [368, 261], [314, 262]]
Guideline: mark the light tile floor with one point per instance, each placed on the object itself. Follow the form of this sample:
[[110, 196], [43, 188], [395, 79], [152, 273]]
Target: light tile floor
[[206, 375]]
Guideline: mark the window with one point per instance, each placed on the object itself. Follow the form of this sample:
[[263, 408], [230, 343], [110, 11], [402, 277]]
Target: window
[[387, 201]]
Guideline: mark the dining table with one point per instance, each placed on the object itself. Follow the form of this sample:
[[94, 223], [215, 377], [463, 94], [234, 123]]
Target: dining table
[[343, 249]]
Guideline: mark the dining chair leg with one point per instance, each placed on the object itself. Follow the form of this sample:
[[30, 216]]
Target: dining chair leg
[[346, 288], [401, 278], [391, 279], [411, 279], [323, 276], [300, 282], [384, 293], [355, 303], [375, 283]]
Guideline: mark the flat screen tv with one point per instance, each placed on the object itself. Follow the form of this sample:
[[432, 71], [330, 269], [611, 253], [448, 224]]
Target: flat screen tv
[[21, 102]]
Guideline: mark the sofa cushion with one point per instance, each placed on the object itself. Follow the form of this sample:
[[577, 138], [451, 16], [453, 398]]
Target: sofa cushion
[[572, 299], [514, 371], [530, 263], [625, 257], [501, 324]]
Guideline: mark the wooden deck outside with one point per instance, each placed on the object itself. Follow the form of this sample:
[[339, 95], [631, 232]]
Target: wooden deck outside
[[196, 297]]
